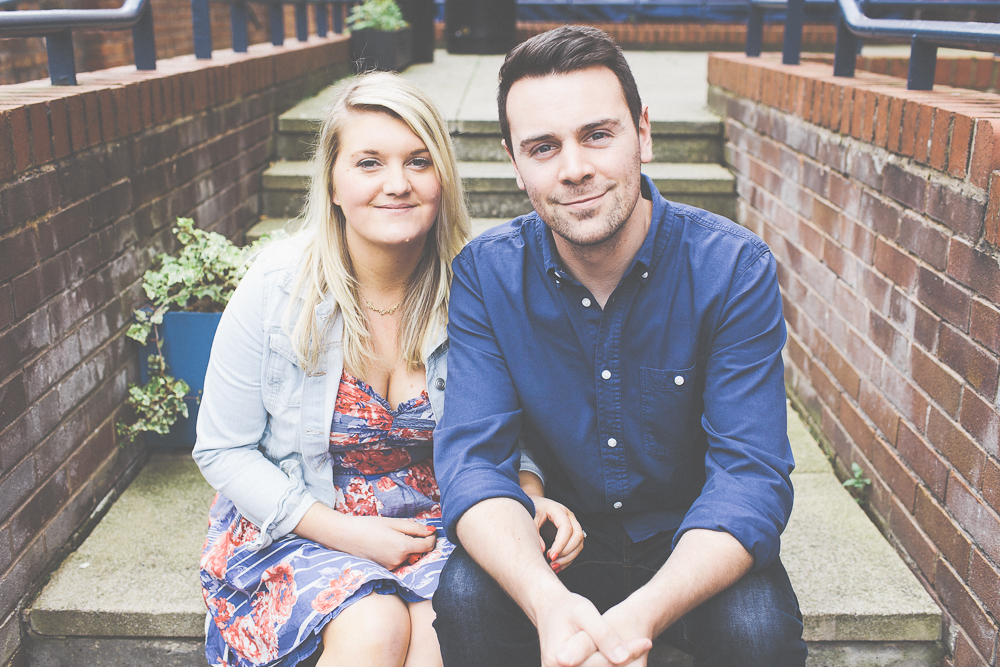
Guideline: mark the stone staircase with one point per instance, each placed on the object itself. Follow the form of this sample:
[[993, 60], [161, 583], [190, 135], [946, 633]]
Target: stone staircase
[[687, 141], [130, 594]]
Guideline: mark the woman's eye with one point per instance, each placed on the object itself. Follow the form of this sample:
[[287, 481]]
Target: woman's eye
[[420, 162], [369, 163]]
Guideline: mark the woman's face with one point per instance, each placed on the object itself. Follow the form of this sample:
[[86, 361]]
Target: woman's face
[[384, 182]]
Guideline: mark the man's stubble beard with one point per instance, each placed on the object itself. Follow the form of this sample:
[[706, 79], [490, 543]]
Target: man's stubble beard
[[565, 226]]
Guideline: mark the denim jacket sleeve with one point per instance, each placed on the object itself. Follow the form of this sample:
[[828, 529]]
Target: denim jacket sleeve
[[233, 419]]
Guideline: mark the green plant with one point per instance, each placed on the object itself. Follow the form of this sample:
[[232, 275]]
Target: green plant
[[377, 15], [201, 278], [858, 484]]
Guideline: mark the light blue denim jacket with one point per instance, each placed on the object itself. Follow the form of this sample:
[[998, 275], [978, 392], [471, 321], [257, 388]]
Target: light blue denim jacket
[[264, 424]]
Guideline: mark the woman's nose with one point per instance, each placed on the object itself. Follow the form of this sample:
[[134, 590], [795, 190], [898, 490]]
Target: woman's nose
[[396, 181]]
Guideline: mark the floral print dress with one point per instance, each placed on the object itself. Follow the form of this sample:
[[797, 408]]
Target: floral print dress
[[269, 606]]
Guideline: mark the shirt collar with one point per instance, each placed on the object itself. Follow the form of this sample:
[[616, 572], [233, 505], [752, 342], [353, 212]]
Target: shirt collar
[[648, 253]]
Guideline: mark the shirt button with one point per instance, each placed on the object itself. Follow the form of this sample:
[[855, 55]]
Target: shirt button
[[439, 384], [679, 380], [645, 274], [612, 442], [617, 505], [606, 374], [586, 302]]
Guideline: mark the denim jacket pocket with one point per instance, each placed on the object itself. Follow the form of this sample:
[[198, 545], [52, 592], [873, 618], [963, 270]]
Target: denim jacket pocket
[[284, 378], [667, 402]]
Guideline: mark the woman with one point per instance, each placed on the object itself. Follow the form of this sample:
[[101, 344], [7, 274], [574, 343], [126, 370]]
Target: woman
[[326, 378]]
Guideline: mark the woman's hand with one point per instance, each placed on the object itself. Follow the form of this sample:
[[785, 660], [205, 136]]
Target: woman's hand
[[568, 540], [386, 541]]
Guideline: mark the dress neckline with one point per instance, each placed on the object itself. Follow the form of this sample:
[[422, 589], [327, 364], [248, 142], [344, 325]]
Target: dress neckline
[[408, 404]]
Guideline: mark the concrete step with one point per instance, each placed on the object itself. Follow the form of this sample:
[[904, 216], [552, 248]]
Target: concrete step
[[130, 594], [493, 193], [479, 141]]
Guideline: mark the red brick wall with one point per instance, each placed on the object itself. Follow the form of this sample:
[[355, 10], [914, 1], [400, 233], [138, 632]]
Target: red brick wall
[[977, 72], [24, 59], [91, 179], [881, 206]]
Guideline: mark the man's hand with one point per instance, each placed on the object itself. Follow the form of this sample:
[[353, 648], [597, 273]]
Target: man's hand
[[571, 633]]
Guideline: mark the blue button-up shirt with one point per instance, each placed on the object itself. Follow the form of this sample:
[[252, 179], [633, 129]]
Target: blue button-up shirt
[[665, 409]]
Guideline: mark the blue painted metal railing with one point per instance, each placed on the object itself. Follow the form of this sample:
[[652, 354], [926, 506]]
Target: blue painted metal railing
[[924, 36], [57, 26], [238, 15]]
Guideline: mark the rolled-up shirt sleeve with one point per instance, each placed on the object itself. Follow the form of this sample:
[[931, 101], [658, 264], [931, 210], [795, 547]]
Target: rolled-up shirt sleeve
[[475, 444], [232, 419], [748, 491]]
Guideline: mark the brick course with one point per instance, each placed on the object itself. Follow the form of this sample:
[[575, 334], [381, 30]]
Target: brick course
[[80, 221], [894, 352]]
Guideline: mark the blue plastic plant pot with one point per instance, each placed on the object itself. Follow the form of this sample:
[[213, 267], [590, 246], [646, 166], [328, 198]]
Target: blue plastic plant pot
[[186, 341]]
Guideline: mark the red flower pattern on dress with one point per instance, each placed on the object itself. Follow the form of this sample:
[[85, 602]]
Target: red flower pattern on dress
[[433, 513], [421, 477], [375, 461], [358, 498], [354, 401], [337, 591], [251, 641], [216, 559], [385, 484], [243, 532], [222, 609], [274, 605]]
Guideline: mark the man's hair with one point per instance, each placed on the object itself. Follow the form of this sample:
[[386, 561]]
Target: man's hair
[[567, 49]]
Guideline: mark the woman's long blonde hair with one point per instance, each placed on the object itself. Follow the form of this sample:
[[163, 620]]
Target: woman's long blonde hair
[[326, 270]]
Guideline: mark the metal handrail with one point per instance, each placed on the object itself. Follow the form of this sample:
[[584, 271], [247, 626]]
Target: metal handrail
[[57, 25], [202, 22], [925, 36]]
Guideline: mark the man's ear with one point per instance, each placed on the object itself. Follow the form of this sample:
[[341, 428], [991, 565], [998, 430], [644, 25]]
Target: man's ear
[[517, 174], [645, 137]]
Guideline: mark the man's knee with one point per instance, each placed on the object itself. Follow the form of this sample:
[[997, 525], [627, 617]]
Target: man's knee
[[754, 622]]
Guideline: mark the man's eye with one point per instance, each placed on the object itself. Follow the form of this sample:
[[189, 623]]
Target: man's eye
[[543, 149], [600, 135]]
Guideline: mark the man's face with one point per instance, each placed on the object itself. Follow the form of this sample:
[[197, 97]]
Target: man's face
[[576, 152]]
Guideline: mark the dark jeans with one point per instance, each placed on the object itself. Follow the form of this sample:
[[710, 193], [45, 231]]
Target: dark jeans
[[755, 622]]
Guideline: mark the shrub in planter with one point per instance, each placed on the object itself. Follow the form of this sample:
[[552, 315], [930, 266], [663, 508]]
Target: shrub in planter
[[188, 294], [380, 38]]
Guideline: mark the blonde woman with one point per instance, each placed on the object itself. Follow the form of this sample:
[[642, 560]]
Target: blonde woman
[[326, 379]]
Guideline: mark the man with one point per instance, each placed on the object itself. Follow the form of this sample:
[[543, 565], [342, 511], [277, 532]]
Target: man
[[636, 345]]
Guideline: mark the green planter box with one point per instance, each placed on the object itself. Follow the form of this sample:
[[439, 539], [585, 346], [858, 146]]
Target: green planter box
[[385, 51]]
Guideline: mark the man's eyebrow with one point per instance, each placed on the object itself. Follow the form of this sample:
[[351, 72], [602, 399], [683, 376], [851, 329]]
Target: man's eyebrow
[[614, 123]]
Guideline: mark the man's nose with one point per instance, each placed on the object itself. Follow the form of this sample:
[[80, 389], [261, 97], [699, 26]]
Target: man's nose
[[575, 165]]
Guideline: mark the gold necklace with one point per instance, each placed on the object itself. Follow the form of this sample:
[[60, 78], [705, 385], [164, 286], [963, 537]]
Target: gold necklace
[[382, 311]]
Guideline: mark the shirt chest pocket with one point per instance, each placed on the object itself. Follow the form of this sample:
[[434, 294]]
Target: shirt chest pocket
[[668, 399], [284, 378]]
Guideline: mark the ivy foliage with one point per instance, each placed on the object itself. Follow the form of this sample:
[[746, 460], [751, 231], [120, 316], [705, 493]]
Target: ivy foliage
[[201, 278], [376, 15]]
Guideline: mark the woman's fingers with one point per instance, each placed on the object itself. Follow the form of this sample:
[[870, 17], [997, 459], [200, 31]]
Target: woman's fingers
[[411, 528]]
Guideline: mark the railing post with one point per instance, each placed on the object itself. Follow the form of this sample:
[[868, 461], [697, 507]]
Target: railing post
[[144, 40], [277, 14], [201, 19], [301, 22], [338, 18], [755, 30], [845, 54], [923, 65], [795, 17], [322, 14], [238, 26], [62, 66]]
